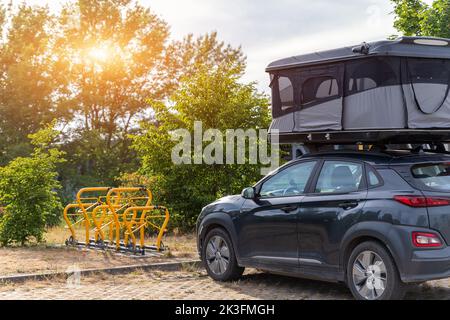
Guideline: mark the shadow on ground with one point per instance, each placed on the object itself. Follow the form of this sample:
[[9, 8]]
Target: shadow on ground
[[269, 286]]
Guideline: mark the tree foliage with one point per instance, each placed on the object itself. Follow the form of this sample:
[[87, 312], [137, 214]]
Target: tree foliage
[[118, 61], [112, 53], [217, 99], [415, 17], [28, 191], [28, 77], [99, 68]]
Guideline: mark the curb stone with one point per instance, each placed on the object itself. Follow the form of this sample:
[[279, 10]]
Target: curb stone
[[165, 266]]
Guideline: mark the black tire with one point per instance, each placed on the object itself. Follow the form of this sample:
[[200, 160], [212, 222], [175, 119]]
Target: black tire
[[393, 288], [233, 271]]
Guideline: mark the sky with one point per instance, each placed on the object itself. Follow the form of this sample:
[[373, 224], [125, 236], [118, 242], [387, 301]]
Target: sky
[[271, 30]]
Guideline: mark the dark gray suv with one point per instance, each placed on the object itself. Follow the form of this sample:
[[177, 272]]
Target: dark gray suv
[[375, 221]]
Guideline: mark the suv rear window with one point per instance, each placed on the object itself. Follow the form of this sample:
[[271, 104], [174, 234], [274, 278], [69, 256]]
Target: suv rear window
[[433, 175]]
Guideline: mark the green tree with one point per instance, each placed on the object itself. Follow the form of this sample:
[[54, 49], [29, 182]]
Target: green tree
[[28, 191], [216, 97], [415, 17], [111, 51], [184, 58], [117, 59], [29, 78], [99, 67]]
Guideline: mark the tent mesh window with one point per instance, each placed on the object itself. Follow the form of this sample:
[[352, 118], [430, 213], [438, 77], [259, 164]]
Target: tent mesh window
[[315, 89], [428, 70], [370, 74], [286, 93], [283, 95]]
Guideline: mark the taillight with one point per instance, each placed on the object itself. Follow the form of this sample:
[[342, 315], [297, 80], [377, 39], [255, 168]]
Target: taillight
[[437, 202], [425, 240], [421, 202], [412, 201]]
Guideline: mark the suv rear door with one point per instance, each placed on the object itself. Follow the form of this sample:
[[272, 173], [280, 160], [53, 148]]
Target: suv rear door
[[433, 179], [334, 203]]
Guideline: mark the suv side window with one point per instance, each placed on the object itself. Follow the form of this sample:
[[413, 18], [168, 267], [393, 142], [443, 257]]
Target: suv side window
[[289, 182], [373, 178], [339, 177]]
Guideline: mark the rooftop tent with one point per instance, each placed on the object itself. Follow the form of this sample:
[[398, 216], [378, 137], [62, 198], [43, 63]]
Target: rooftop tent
[[400, 85]]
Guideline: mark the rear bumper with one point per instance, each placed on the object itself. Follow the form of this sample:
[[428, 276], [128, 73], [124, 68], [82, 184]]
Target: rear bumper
[[417, 265], [427, 265]]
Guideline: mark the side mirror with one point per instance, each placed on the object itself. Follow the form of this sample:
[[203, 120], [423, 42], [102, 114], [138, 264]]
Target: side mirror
[[248, 193]]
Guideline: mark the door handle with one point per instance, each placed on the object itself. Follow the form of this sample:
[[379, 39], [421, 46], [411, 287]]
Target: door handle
[[349, 205], [288, 209]]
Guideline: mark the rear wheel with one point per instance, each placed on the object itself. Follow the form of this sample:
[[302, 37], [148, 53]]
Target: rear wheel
[[372, 274], [219, 257]]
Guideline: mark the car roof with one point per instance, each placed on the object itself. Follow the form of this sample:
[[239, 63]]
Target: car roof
[[400, 47], [390, 157]]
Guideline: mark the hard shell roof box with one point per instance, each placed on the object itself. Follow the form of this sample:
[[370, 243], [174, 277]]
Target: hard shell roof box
[[387, 91]]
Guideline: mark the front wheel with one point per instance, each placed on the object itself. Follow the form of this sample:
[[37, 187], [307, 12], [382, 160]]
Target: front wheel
[[372, 274], [219, 257]]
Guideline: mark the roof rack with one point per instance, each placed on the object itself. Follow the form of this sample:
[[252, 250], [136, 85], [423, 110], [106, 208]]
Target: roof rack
[[402, 136], [394, 150]]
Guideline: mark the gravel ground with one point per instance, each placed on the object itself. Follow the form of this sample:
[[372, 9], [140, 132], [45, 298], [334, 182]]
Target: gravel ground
[[193, 285]]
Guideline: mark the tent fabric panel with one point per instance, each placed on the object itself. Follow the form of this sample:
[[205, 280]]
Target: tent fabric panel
[[379, 108], [417, 119], [429, 95], [321, 117], [283, 124]]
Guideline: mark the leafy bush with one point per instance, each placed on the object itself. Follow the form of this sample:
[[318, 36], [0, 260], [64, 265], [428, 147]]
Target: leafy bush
[[28, 192], [218, 99]]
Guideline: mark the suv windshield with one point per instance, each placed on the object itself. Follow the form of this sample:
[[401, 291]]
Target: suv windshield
[[433, 175]]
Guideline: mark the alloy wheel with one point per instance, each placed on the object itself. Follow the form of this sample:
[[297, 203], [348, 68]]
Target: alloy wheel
[[217, 255], [369, 275]]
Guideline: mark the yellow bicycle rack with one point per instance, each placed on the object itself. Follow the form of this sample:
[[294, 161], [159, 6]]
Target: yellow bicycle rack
[[87, 200], [118, 218], [147, 219]]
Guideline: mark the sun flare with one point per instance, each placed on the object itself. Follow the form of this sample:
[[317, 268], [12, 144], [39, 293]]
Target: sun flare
[[100, 53]]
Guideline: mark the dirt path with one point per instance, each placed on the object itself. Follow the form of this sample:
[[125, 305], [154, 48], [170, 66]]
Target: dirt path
[[41, 259]]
